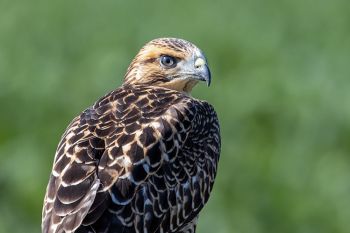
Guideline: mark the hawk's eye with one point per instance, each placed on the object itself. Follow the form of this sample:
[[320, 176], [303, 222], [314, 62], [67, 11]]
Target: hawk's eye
[[168, 61]]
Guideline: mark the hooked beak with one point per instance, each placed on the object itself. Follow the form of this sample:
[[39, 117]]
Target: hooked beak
[[202, 71]]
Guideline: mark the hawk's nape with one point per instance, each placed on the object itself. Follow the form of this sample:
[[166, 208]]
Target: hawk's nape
[[144, 157]]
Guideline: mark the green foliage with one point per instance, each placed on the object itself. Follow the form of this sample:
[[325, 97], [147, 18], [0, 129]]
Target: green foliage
[[280, 86]]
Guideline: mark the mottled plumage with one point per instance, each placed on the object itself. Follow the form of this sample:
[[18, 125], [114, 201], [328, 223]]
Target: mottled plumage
[[142, 159]]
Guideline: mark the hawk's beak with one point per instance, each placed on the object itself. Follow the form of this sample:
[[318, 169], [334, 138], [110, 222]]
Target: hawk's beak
[[202, 70]]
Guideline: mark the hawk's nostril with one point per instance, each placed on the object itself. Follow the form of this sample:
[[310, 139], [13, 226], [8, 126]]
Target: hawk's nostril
[[199, 63]]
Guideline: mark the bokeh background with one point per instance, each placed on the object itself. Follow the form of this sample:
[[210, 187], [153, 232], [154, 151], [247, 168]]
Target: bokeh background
[[281, 87]]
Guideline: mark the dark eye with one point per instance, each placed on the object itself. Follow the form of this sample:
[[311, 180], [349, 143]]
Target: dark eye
[[168, 61]]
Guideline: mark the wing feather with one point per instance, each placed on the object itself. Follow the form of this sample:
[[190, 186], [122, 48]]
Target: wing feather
[[141, 154]]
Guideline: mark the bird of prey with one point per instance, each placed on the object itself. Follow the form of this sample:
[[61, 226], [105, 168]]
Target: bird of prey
[[144, 157]]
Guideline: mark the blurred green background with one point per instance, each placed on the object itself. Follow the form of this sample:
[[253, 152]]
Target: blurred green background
[[280, 86]]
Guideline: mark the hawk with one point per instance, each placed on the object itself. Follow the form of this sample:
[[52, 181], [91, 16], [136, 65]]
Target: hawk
[[144, 157]]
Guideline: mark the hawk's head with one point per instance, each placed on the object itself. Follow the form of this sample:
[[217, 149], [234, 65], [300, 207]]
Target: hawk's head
[[169, 62]]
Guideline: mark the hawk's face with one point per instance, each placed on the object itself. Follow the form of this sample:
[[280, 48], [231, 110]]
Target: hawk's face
[[169, 62]]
